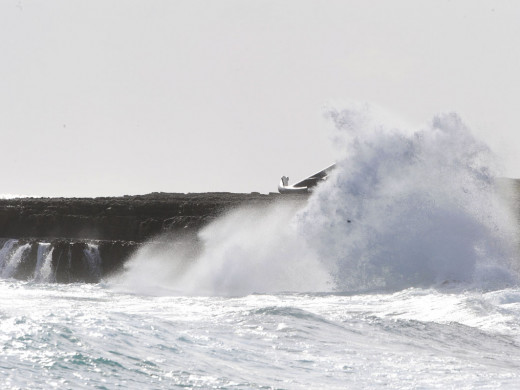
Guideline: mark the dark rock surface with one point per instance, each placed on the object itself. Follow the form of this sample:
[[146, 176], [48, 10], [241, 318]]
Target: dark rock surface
[[115, 226], [127, 218]]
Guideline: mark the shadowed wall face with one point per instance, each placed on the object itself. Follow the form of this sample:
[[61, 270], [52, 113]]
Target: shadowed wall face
[[129, 218], [72, 240]]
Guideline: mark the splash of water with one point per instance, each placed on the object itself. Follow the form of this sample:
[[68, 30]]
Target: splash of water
[[424, 207], [14, 260], [403, 208], [43, 270], [91, 253], [6, 250], [248, 250]]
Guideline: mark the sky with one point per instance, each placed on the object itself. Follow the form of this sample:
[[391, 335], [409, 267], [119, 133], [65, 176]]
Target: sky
[[115, 97]]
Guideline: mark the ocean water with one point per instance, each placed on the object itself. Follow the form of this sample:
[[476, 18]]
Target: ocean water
[[88, 336], [401, 271]]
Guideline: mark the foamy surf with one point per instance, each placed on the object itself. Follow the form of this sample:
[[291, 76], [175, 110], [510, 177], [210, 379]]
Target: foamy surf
[[83, 336]]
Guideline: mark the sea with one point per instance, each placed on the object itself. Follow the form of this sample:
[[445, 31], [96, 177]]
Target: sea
[[400, 272]]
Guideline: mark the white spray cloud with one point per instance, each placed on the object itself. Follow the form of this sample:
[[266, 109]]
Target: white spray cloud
[[403, 208], [423, 206], [251, 249]]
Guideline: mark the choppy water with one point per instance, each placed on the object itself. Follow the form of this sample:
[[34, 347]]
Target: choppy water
[[88, 336], [402, 271]]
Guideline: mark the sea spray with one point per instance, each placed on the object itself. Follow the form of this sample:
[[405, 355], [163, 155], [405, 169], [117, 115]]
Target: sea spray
[[14, 260], [251, 249], [43, 270], [423, 207], [5, 252], [404, 208], [255, 250], [91, 255]]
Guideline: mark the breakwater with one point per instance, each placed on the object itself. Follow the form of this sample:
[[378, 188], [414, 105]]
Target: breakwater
[[84, 239], [69, 240]]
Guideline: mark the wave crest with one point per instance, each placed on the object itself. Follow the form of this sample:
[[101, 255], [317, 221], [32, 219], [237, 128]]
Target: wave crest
[[424, 206], [403, 208]]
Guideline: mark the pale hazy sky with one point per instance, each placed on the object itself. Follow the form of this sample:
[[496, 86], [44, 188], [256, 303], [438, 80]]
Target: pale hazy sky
[[105, 97]]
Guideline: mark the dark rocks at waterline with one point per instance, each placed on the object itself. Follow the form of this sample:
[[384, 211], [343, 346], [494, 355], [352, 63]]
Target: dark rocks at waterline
[[62, 261]]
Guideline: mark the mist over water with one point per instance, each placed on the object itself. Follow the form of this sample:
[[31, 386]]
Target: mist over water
[[424, 206], [404, 208], [248, 250]]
